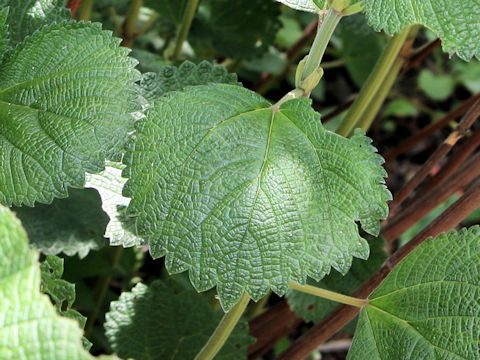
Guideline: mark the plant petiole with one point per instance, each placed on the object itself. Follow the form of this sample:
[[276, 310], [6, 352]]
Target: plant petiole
[[330, 295]]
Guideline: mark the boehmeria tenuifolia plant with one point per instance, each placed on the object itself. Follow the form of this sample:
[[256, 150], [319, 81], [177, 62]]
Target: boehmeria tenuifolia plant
[[246, 195]]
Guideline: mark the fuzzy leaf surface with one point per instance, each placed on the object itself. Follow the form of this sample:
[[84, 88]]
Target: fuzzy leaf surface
[[172, 78], [428, 307], [63, 115], [71, 226], [26, 16], [109, 184], [456, 22], [150, 323], [248, 197], [30, 328], [314, 308]]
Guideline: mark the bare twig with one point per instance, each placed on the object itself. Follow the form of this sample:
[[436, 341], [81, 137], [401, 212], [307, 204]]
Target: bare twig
[[73, 5], [437, 156], [432, 128], [420, 54], [416, 210]]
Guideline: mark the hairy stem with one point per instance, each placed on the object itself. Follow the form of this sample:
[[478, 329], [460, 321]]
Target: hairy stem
[[324, 33], [373, 83], [190, 11], [131, 22], [223, 330], [330, 295]]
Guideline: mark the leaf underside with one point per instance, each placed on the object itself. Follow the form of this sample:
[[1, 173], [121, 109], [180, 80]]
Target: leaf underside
[[149, 323], [456, 22], [428, 307], [303, 5], [248, 198], [71, 226], [66, 94], [29, 325], [109, 184]]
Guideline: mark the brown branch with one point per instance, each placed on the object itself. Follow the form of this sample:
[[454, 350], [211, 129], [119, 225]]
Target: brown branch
[[270, 327], [417, 57], [343, 314], [416, 210], [432, 128], [437, 156], [73, 5]]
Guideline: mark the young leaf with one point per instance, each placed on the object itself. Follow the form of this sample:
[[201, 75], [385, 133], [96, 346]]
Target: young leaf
[[314, 308], [66, 94], [427, 307], [109, 183], [166, 321], [172, 78], [247, 196], [74, 225], [26, 16], [456, 22], [29, 325]]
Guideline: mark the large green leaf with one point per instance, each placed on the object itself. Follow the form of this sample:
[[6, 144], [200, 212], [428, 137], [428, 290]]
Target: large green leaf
[[166, 321], [247, 196], [172, 78], [169, 10], [73, 226], [428, 307], [109, 184], [26, 16], [29, 326], [314, 308], [456, 22], [66, 94]]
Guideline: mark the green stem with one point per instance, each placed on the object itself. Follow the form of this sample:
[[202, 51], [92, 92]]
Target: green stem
[[223, 330], [330, 295], [101, 290], [190, 11], [129, 30], [324, 33], [373, 83], [85, 10]]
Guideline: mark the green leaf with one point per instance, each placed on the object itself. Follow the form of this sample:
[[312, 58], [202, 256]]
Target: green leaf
[[61, 292], [30, 328], [172, 78], [437, 87], [165, 321], [427, 307], [401, 108], [26, 16], [240, 29], [314, 308], [3, 32], [109, 184], [248, 197], [73, 226], [456, 22], [303, 5], [63, 115]]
